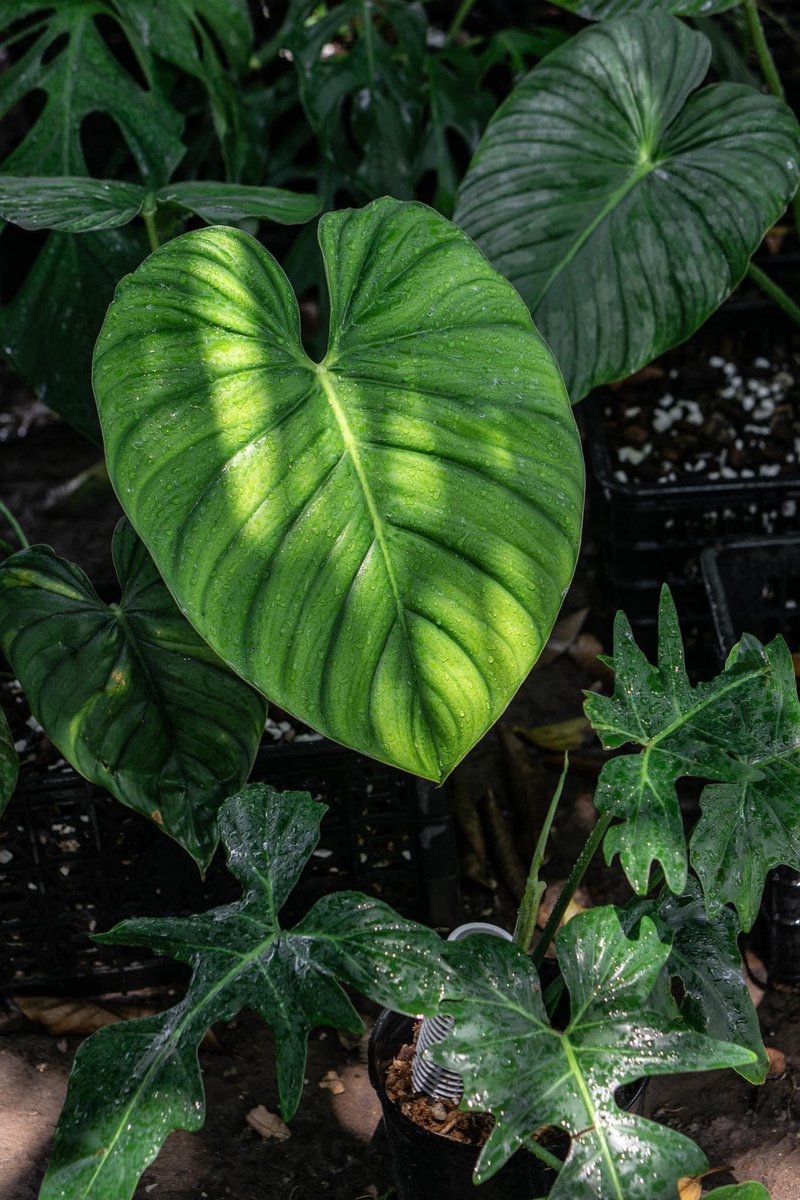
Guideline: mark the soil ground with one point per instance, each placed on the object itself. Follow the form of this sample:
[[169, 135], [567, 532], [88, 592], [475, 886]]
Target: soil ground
[[335, 1148]]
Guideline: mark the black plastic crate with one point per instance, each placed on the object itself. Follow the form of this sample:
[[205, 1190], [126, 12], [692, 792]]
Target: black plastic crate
[[74, 861], [650, 534], [754, 587]]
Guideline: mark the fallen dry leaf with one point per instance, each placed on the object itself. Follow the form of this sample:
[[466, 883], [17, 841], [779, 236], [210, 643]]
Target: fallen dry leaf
[[332, 1082], [268, 1124], [560, 735], [578, 904], [753, 970], [60, 1016], [777, 1061], [690, 1188]]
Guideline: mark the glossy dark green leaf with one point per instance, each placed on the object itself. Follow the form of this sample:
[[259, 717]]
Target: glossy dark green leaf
[[602, 10], [69, 60], [67, 292], [129, 693], [78, 204], [705, 956], [9, 764], [529, 1075], [219, 203], [364, 102], [379, 542], [625, 231], [134, 1082], [741, 730], [70, 203]]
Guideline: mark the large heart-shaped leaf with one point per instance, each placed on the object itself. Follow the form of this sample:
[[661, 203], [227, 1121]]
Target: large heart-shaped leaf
[[379, 542], [602, 10], [134, 1082], [741, 730], [9, 764], [129, 693], [705, 956], [79, 204], [739, 1191], [529, 1075], [623, 232]]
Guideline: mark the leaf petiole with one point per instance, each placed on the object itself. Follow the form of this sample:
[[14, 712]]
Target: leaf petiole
[[535, 887], [569, 888], [775, 292], [15, 525]]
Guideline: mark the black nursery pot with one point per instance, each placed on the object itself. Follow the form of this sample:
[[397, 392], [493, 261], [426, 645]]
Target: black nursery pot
[[427, 1165]]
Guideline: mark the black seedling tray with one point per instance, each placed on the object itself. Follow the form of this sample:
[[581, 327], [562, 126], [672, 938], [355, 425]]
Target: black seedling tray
[[754, 587], [74, 861], [652, 534]]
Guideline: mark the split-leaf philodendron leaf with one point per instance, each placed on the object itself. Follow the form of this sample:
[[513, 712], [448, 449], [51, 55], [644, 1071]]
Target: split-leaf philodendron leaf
[[128, 692], [379, 542], [603, 10], [134, 1082], [741, 730], [78, 204], [9, 764], [530, 1075], [624, 233], [705, 956]]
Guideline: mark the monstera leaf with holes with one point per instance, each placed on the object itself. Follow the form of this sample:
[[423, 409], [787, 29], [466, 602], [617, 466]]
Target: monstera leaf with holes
[[705, 956], [134, 1082], [602, 10], [740, 730], [527, 1074], [78, 204], [623, 233], [65, 52], [9, 765], [128, 692], [379, 542]]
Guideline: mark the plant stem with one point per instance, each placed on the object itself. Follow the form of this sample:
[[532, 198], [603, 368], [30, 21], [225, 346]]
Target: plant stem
[[775, 292], [762, 51], [464, 9], [15, 525], [150, 225], [569, 888], [544, 1155], [534, 888]]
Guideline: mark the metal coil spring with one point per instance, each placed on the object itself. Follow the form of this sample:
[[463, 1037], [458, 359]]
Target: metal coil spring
[[440, 1083]]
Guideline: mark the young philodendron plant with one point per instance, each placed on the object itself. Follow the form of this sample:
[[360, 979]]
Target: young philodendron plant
[[134, 1082]]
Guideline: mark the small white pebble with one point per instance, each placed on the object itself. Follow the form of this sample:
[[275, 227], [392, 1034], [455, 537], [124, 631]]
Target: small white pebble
[[762, 363], [716, 361]]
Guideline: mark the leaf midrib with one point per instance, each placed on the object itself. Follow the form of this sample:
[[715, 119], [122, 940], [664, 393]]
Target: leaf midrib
[[351, 444], [243, 962], [616, 198]]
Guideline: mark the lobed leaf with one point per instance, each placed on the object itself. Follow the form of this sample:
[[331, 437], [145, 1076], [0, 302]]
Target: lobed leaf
[[135, 1081], [624, 234], [379, 542], [129, 693], [9, 764], [740, 730], [529, 1075], [705, 956]]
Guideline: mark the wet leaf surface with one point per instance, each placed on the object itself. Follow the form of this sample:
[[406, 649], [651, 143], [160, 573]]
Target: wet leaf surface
[[529, 1075], [129, 693], [741, 730], [134, 1082], [379, 542]]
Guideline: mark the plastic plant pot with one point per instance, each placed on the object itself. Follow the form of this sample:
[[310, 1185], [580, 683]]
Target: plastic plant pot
[[427, 1165]]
